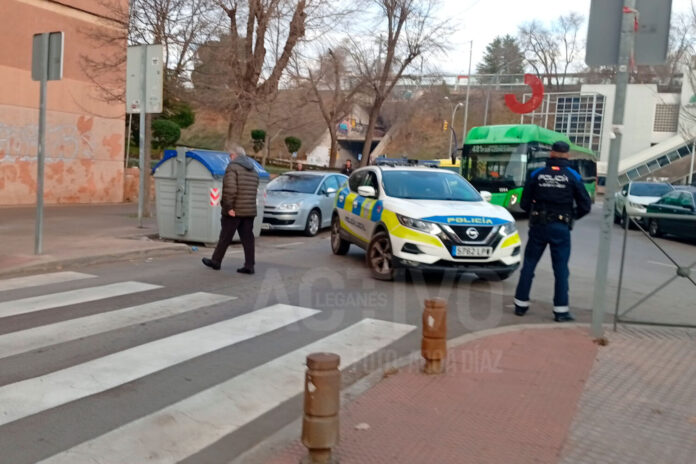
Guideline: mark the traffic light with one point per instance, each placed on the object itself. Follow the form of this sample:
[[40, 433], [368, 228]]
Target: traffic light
[[444, 126]]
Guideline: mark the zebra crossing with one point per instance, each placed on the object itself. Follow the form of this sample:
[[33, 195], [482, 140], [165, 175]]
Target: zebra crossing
[[186, 425]]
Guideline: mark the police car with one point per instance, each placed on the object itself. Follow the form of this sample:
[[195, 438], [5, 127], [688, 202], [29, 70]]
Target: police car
[[423, 218]]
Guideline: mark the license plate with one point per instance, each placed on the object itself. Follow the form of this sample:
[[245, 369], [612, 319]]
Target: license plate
[[265, 226], [472, 252]]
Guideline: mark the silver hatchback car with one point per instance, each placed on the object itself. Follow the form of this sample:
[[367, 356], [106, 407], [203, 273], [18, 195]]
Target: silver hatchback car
[[301, 200]]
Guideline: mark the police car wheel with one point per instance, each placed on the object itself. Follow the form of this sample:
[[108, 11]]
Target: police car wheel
[[313, 223], [379, 257], [654, 228], [338, 245]]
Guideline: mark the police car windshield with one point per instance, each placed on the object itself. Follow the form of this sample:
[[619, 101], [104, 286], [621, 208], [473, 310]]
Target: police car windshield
[[298, 183], [428, 185], [650, 189]]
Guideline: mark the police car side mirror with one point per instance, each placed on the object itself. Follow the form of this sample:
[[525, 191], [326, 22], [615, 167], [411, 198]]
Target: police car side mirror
[[367, 191], [330, 191], [486, 195]]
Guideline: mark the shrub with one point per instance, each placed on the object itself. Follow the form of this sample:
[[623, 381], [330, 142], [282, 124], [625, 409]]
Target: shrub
[[293, 144], [258, 138], [165, 133]]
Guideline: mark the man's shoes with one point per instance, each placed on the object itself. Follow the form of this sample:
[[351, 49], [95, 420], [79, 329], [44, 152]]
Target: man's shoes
[[563, 317], [521, 310], [245, 270], [211, 264]]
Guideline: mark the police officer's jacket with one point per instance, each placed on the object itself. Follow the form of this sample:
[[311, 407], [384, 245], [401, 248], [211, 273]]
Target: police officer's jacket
[[556, 189]]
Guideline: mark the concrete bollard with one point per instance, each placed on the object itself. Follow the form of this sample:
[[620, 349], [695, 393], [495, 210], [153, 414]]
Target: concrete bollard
[[321, 406], [434, 342]]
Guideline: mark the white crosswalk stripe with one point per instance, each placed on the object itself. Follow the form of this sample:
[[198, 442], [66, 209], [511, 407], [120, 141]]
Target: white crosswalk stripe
[[42, 279], [37, 394], [83, 295], [195, 423], [187, 426], [73, 329]]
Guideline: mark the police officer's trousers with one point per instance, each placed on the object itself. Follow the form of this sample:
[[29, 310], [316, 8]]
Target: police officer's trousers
[[557, 236]]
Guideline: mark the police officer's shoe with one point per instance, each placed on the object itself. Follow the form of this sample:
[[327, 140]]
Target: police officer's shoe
[[563, 317], [211, 264], [521, 310], [245, 270]]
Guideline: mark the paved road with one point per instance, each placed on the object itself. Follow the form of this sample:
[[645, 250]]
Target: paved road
[[167, 361]]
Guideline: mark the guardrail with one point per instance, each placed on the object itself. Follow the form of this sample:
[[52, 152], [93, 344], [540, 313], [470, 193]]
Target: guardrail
[[680, 270]]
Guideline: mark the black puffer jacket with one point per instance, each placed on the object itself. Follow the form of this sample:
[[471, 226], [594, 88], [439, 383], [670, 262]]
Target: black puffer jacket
[[239, 187]]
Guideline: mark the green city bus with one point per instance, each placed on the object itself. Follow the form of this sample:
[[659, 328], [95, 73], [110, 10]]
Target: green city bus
[[499, 159]]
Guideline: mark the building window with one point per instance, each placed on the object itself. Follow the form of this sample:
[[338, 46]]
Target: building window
[[666, 118]]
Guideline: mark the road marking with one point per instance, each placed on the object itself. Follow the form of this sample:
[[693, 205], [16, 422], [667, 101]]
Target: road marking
[[31, 396], [184, 428], [657, 263], [73, 329], [83, 295], [42, 279], [287, 245]]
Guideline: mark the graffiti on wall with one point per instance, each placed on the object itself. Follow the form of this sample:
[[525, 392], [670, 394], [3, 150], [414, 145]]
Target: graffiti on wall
[[63, 142]]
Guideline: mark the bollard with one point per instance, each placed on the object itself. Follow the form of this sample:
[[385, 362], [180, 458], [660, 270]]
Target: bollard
[[434, 342], [321, 407]]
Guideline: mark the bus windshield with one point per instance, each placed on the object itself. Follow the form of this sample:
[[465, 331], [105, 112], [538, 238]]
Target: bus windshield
[[495, 164]]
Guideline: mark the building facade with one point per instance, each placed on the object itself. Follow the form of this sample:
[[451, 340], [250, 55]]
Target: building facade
[[84, 130]]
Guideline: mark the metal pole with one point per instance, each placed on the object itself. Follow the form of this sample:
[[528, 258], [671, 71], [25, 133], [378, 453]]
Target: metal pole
[[691, 169], [622, 75], [621, 273], [468, 86], [41, 155], [128, 135], [454, 111], [141, 154]]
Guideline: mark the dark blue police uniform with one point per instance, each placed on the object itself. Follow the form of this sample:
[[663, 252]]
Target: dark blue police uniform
[[554, 196]]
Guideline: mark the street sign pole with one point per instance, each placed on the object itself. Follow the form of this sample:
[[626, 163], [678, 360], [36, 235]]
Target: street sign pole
[[41, 155], [141, 154], [468, 87], [625, 50]]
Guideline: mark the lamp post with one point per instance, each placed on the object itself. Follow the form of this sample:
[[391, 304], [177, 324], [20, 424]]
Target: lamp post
[[468, 86], [454, 111]]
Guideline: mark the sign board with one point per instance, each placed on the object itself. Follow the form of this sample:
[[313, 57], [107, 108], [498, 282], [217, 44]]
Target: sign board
[[47, 53], [604, 32], [151, 65]]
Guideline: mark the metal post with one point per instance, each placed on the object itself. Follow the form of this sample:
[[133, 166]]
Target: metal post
[[41, 154], [454, 111], [128, 135], [621, 272], [691, 169], [141, 154], [468, 86], [622, 75]]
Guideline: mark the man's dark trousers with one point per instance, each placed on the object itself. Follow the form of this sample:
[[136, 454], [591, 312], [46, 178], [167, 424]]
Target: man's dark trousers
[[557, 236], [230, 225]]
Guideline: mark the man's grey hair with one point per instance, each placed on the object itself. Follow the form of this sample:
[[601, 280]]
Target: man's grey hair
[[234, 148]]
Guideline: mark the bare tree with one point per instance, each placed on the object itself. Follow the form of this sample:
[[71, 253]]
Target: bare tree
[[334, 89], [552, 52], [410, 30]]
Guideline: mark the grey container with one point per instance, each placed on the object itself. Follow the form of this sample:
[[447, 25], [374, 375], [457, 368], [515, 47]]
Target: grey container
[[188, 186]]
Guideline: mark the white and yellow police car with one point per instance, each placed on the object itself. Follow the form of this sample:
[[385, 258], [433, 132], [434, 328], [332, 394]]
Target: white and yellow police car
[[423, 218]]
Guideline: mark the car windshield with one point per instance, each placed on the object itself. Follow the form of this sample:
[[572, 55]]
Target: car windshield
[[299, 183], [428, 185], [650, 189]]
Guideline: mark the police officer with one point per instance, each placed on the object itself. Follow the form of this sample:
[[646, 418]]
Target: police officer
[[554, 196]]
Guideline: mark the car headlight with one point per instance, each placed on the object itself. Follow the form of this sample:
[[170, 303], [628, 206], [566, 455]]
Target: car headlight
[[513, 199], [290, 206], [636, 206], [508, 228], [417, 224]]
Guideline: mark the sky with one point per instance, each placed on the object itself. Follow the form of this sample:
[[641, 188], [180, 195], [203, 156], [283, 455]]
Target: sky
[[483, 20]]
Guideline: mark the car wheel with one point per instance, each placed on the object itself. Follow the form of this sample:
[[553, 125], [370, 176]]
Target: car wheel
[[313, 223], [504, 274], [380, 257], [624, 219], [617, 218], [654, 228], [338, 245]]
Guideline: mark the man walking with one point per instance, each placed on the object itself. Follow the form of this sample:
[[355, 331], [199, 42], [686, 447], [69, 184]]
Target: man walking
[[239, 186], [347, 168], [549, 197]]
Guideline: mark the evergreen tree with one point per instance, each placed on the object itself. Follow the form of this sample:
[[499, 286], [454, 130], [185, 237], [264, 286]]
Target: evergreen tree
[[503, 56]]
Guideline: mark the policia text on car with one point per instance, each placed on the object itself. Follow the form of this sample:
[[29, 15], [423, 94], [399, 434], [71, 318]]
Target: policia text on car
[[554, 197]]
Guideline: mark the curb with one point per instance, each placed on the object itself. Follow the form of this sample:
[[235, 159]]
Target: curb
[[277, 442], [59, 264]]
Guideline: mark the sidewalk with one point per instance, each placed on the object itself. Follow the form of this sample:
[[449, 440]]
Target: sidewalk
[[75, 235], [532, 396]]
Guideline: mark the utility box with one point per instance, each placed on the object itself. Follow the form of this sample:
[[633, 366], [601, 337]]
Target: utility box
[[188, 186]]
